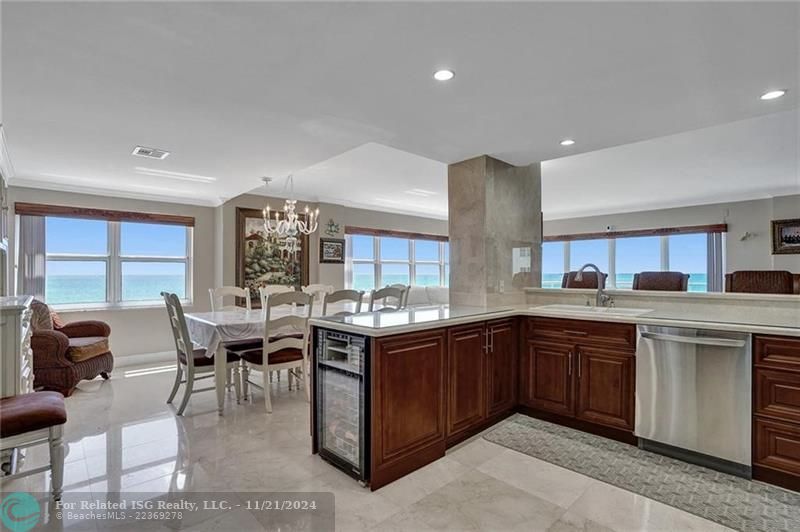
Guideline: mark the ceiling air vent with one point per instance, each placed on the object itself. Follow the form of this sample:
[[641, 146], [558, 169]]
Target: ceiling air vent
[[150, 153]]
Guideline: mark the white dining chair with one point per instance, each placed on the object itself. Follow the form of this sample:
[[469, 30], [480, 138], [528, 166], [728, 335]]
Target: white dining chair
[[390, 297], [406, 289], [192, 363], [218, 296], [338, 296], [285, 344], [318, 290], [270, 289]]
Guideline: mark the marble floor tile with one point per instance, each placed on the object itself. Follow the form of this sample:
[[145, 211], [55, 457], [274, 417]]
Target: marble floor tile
[[552, 483], [123, 437], [626, 511]]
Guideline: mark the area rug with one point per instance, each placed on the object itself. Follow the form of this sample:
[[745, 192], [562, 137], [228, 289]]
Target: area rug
[[725, 499]]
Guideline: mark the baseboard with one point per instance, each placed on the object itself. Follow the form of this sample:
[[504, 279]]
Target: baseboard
[[164, 357]]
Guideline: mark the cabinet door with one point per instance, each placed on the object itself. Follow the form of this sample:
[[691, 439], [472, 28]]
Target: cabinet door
[[605, 380], [547, 377], [467, 383], [501, 366], [408, 404]]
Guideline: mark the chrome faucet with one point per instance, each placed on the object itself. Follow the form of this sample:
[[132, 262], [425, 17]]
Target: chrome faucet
[[601, 299]]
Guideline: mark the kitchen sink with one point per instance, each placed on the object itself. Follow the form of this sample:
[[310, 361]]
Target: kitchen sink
[[593, 311]]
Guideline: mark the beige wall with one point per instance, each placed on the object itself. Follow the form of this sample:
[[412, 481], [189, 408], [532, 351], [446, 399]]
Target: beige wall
[[332, 274], [145, 330], [754, 217]]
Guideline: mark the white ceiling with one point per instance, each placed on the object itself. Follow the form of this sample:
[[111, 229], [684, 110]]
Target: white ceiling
[[749, 159], [240, 90]]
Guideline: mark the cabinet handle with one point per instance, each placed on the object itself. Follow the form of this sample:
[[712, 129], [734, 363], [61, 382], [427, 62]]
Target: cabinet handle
[[491, 341], [576, 333], [569, 363], [486, 343], [579, 363]]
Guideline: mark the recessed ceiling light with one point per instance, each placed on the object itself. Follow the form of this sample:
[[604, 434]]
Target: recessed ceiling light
[[567, 142], [771, 95], [444, 75]]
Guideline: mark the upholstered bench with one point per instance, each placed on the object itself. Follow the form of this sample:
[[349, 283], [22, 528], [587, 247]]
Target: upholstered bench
[[33, 419]]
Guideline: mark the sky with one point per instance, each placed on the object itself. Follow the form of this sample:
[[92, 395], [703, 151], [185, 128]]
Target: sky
[[687, 253], [73, 235]]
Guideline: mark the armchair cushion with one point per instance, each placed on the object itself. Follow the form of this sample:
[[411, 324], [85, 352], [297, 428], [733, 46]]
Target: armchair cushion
[[79, 329], [85, 347]]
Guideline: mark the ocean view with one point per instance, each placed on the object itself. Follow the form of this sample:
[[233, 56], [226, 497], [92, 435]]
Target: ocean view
[[697, 281], [92, 288]]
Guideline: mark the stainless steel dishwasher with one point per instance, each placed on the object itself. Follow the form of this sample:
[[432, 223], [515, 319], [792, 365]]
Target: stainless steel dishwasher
[[693, 396]]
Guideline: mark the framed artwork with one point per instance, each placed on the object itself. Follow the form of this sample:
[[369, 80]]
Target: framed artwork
[[260, 260], [331, 251], [786, 237]]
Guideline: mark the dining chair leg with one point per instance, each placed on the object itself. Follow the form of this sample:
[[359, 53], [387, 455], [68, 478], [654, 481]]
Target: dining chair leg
[[229, 378], [187, 392], [306, 384], [57, 460], [270, 375], [245, 384], [237, 383], [290, 378], [178, 377], [267, 393]]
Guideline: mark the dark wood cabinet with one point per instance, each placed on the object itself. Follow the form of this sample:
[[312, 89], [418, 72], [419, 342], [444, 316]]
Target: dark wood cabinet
[[776, 410], [580, 369], [547, 377], [605, 386], [408, 403], [466, 359], [501, 367]]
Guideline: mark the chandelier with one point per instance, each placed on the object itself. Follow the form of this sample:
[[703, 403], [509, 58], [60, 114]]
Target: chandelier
[[289, 226]]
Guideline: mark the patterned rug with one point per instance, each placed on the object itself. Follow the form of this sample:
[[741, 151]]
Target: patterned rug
[[725, 499]]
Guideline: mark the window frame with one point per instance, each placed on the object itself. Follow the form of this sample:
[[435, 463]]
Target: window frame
[[114, 259], [412, 262], [664, 251]]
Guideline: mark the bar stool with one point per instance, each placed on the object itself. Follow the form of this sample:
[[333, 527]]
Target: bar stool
[[33, 419]]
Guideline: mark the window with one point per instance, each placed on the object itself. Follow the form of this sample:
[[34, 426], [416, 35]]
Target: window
[[623, 256], [101, 262], [374, 261], [552, 264], [640, 254]]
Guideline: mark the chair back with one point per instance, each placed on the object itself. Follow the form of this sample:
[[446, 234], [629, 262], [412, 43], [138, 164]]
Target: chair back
[[180, 333], [265, 291], [406, 289], [762, 282], [319, 291], [666, 281], [589, 280], [342, 295], [393, 298], [218, 296], [301, 306]]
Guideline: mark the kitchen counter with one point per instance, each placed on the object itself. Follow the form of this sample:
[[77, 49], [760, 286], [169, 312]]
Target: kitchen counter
[[421, 318]]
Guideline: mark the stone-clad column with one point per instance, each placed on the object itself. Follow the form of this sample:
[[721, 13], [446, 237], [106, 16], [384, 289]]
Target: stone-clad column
[[495, 218]]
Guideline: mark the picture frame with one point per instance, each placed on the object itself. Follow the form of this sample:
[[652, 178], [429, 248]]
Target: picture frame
[[259, 259], [786, 237], [331, 250]]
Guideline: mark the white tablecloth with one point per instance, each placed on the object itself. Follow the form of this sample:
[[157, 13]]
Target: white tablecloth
[[209, 329]]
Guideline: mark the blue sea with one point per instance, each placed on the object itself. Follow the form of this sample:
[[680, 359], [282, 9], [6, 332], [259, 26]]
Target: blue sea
[[697, 281], [92, 288]]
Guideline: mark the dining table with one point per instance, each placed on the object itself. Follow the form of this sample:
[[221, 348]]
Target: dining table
[[212, 331]]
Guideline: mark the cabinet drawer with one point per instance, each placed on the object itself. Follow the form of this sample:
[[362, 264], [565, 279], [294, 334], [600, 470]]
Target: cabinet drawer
[[777, 352], [778, 445], [583, 331], [778, 394]]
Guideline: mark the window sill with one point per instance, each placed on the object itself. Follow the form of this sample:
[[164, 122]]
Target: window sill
[[108, 307]]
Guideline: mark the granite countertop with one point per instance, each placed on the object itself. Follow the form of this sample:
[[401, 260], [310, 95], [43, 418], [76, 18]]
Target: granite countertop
[[422, 318]]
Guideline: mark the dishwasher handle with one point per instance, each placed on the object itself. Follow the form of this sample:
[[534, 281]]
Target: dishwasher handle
[[720, 342]]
